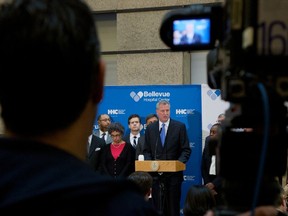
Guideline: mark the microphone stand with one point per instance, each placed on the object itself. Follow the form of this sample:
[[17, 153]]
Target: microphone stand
[[161, 184]]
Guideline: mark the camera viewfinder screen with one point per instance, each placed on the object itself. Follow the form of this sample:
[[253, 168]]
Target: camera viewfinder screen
[[191, 32]]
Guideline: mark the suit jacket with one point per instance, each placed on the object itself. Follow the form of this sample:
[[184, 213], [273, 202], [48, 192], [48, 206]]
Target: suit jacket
[[109, 138], [176, 146], [195, 40], [93, 157], [140, 144], [205, 166]]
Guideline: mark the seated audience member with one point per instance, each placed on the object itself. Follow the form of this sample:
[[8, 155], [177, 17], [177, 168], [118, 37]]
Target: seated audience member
[[198, 201], [144, 180], [281, 202], [51, 83], [278, 209], [117, 158]]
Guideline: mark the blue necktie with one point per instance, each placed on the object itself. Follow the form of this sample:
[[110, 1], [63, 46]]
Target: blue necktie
[[162, 135]]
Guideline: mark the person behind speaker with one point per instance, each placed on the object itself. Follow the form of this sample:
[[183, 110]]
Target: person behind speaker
[[208, 165], [150, 118], [103, 121], [117, 158], [51, 83], [175, 147], [134, 137], [94, 153]]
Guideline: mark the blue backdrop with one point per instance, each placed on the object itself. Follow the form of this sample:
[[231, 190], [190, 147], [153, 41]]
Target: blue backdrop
[[121, 101]]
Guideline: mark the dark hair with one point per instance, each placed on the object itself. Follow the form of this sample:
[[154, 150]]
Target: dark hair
[[116, 126], [199, 200], [99, 116], [49, 59], [143, 179], [151, 115], [134, 116]]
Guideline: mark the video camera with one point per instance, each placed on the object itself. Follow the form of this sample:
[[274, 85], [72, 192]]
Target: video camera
[[248, 62]]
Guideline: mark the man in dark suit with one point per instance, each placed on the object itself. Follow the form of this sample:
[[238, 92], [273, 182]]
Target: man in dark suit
[[93, 156], [208, 165], [134, 138], [104, 121], [166, 191], [190, 36]]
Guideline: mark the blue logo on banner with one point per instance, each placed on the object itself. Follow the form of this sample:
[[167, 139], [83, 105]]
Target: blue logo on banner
[[213, 94], [136, 97]]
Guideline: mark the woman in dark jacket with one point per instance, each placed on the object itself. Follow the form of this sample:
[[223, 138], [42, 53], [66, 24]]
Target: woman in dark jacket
[[118, 157]]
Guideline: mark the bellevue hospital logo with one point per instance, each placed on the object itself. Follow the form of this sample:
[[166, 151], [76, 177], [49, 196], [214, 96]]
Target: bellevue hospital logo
[[150, 96], [213, 94], [136, 97]]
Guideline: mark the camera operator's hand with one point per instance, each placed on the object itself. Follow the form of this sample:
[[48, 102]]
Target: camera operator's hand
[[211, 187]]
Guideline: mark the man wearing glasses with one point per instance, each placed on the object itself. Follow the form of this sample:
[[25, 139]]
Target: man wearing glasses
[[97, 140], [104, 121]]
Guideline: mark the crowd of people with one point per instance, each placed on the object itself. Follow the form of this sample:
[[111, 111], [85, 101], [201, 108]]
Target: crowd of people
[[63, 167]]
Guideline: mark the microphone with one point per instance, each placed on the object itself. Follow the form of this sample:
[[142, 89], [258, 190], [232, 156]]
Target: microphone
[[156, 145]]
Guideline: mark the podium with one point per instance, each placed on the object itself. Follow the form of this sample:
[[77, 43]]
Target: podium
[[159, 166]]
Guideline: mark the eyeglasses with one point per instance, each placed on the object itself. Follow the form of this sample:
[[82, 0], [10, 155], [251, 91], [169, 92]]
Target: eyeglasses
[[115, 135], [105, 120]]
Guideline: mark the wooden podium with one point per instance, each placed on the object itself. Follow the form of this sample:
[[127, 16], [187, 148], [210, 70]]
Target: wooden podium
[[159, 166]]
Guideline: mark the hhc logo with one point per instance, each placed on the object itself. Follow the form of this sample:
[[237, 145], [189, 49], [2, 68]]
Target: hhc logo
[[136, 97], [188, 178], [115, 112], [184, 111]]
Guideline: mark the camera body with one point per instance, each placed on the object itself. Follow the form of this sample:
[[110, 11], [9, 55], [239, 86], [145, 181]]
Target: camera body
[[248, 62]]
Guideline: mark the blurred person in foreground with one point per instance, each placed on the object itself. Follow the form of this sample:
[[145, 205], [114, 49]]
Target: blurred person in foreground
[[199, 199], [51, 81], [144, 180]]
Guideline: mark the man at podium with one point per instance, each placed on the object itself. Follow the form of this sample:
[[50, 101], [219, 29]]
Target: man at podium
[[166, 139]]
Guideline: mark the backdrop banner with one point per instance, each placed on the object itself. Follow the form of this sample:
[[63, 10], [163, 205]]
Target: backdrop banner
[[186, 106]]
